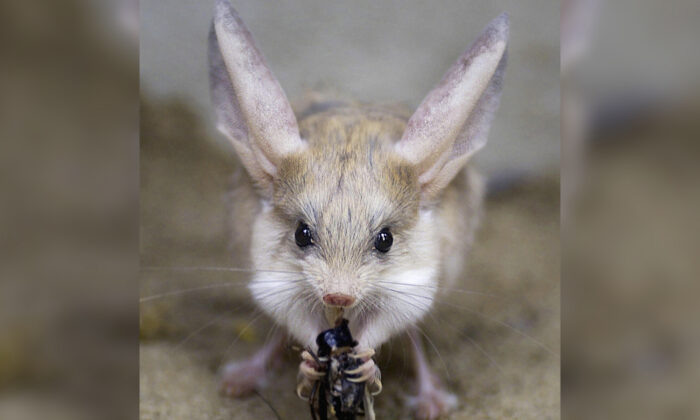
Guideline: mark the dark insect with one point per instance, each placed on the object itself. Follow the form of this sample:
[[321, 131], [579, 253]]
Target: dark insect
[[335, 393]]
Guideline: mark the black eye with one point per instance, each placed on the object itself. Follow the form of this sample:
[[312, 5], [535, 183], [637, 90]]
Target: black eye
[[383, 240], [303, 235]]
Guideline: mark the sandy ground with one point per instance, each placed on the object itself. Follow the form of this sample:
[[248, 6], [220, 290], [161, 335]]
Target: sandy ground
[[498, 353]]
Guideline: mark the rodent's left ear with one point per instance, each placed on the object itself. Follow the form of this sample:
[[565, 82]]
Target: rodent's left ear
[[453, 121], [251, 107]]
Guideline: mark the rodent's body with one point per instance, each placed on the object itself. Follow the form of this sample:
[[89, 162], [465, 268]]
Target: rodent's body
[[369, 208], [348, 178]]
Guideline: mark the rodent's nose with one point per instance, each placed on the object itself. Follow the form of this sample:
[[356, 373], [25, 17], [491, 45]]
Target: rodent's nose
[[337, 299]]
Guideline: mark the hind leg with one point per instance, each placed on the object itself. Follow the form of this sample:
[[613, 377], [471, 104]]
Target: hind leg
[[432, 400], [239, 379]]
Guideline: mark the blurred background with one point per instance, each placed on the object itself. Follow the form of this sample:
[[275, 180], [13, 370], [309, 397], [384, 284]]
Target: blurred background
[[630, 202], [69, 210]]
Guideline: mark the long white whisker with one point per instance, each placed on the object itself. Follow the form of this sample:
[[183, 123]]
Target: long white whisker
[[399, 295], [211, 286], [451, 289], [475, 344], [276, 292], [200, 329], [444, 365], [505, 324], [240, 334], [426, 308], [471, 340], [214, 268], [184, 291], [270, 333]]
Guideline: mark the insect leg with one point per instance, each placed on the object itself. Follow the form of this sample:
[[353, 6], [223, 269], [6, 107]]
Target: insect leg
[[322, 402], [311, 400]]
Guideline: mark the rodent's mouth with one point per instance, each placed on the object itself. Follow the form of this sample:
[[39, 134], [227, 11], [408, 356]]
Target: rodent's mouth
[[357, 322]]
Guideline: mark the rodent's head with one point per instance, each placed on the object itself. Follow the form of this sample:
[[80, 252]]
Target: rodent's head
[[348, 195], [346, 215]]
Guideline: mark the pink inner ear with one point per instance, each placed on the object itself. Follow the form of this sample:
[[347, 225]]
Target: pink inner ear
[[451, 122]]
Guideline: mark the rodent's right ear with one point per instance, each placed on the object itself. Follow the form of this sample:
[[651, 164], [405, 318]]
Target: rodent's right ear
[[452, 122], [251, 107]]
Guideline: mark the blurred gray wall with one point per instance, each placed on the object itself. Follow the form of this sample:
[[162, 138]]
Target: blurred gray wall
[[386, 51]]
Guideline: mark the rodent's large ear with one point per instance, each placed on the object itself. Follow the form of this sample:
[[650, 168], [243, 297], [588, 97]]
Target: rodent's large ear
[[252, 109], [453, 121]]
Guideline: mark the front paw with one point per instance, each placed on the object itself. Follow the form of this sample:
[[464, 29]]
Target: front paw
[[432, 402]]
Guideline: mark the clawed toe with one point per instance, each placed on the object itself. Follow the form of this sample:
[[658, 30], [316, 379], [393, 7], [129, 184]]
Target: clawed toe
[[363, 354], [309, 371], [308, 374], [368, 372]]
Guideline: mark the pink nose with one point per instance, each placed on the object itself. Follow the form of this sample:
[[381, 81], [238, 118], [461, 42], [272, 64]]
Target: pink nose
[[337, 299]]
